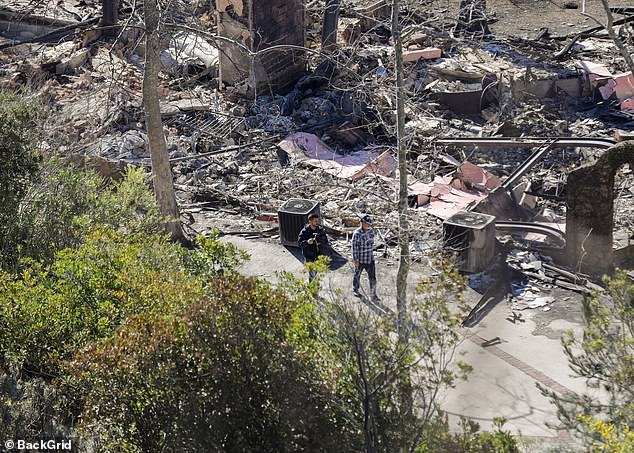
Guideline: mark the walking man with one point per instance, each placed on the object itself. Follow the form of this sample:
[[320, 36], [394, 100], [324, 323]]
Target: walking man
[[362, 248], [313, 241]]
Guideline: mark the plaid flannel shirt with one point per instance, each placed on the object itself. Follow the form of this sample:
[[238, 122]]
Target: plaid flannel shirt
[[362, 246]]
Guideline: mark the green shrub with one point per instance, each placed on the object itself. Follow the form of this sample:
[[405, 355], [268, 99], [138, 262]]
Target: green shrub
[[50, 310], [468, 439], [19, 130], [64, 204], [604, 356], [228, 374]]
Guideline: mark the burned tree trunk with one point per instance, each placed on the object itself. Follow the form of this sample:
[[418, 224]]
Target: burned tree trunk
[[472, 18], [110, 15], [161, 170], [329, 30], [590, 210]]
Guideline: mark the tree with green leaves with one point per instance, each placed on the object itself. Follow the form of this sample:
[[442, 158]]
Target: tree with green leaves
[[239, 370], [604, 357]]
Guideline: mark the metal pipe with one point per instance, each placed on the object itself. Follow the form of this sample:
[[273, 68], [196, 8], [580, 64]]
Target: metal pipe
[[528, 164], [551, 232], [524, 142]]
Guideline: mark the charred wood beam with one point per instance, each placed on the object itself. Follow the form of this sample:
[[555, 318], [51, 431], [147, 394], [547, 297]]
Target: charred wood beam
[[55, 35]]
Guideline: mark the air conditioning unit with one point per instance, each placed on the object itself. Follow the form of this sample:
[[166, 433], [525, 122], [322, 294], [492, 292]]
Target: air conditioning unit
[[292, 217], [469, 237]]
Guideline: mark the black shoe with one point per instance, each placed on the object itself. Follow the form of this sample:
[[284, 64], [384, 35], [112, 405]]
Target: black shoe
[[356, 293], [375, 298]]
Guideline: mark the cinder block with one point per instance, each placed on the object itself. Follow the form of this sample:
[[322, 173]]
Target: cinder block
[[428, 53]]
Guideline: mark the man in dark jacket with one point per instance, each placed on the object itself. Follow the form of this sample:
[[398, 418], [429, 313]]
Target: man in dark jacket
[[313, 241]]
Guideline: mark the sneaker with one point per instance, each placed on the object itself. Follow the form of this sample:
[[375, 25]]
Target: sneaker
[[356, 293], [375, 298]]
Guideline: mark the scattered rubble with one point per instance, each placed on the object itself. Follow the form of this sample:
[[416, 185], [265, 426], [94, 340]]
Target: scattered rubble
[[328, 133]]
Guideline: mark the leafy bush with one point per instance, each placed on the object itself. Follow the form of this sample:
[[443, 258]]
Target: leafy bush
[[49, 311], [19, 126], [608, 437], [469, 439], [64, 204], [227, 374], [604, 357]]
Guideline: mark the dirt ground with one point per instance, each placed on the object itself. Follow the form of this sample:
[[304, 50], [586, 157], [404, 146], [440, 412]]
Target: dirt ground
[[525, 18]]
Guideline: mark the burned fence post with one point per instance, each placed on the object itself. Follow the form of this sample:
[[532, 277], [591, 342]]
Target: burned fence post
[[590, 210]]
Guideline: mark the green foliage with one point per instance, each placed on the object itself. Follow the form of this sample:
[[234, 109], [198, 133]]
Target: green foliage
[[213, 257], [64, 204], [229, 373], [608, 437], [48, 311], [19, 130], [469, 439], [604, 356]]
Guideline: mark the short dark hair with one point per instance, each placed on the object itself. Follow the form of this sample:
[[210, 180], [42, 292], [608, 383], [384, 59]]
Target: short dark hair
[[313, 216]]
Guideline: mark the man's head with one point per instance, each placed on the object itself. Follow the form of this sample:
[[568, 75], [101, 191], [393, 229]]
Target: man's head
[[313, 220], [366, 222]]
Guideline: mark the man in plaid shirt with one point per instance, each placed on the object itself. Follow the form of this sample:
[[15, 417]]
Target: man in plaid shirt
[[362, 247]]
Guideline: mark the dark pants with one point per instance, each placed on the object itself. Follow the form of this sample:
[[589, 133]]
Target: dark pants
[[311, 274], [370, 268]]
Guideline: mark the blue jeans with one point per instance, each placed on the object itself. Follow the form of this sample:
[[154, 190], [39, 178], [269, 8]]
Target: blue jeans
[[371, 269]]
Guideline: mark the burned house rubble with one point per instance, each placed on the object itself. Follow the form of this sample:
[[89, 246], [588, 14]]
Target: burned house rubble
[[521, 129]]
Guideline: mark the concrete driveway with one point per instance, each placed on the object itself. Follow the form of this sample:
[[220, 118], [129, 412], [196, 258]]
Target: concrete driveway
[[509, 354]]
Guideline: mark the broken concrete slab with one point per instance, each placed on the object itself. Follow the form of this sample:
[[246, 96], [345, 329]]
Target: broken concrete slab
[[183, 105], [70, 64]]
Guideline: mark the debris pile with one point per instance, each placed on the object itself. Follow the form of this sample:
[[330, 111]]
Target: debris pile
[[331, 137]]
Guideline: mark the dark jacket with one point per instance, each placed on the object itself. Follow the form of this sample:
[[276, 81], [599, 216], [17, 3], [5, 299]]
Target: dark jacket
[[312, 251]]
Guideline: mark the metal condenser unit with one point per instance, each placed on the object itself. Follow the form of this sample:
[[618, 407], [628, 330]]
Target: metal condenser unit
[[292, 217], [470, 238]]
